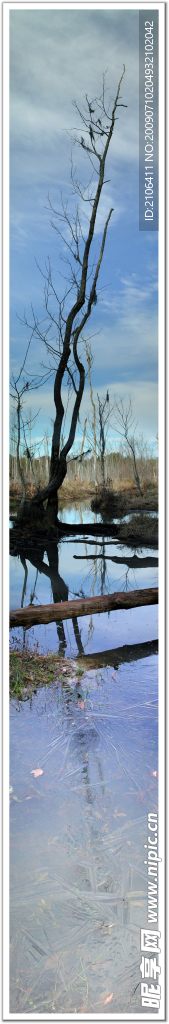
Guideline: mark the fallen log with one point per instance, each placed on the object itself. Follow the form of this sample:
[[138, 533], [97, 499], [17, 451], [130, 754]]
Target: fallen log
[[31, 615]]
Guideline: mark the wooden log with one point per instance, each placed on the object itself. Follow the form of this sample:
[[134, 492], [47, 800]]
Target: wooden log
[[31, 615]]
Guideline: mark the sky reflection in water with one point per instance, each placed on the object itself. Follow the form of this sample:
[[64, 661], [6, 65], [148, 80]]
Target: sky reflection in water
[[78, 879]]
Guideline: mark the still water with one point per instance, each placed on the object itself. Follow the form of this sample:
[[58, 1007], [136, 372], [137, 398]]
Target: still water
[[82, 567], [78, 878]]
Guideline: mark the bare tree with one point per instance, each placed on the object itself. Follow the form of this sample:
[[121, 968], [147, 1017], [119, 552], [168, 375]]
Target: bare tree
[[98, 120], [20, 387], [100, 421], [105, 412], [124, 416], [89, 363]]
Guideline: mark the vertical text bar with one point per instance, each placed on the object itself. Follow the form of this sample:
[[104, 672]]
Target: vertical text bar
[[148, 120]]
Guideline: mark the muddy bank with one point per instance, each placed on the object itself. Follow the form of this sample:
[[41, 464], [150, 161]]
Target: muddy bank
[[120, 503]]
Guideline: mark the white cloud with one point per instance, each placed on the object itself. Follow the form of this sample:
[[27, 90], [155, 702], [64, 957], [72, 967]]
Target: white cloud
[[144, 396], [56, 55], [45, 47], [143, 393]]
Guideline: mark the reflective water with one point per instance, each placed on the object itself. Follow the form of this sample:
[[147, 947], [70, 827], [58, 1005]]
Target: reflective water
[[78, 879], [82, 567]]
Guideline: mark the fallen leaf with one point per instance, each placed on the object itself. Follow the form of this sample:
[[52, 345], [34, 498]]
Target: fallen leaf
[[80, 703], [42, 877], [155, 774], [108, 998], [36, 771], [119, 815]]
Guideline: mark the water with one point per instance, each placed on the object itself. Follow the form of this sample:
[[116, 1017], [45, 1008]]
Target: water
[[78, 879], [84, 567], [77, 830]]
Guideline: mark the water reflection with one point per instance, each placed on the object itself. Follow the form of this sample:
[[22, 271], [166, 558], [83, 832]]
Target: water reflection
[[78, 880], [84, 572]]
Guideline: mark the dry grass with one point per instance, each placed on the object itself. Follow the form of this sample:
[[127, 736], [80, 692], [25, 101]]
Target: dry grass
[[30, 670], [72, 493], [141, 527], [127, 499]]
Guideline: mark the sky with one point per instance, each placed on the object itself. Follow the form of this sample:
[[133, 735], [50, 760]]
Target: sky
[[56, 56]]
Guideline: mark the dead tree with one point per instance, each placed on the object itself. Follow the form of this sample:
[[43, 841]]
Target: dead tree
[[124, 416], [104, 416], [89, 363], [67, 317], [20, 387]]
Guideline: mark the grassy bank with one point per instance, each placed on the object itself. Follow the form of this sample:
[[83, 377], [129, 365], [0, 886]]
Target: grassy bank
[[119, 503], [121, 498], [30, 670]]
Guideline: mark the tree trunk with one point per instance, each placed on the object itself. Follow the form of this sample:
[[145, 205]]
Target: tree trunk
[[82, 446], [102, 471], [21, 474], [58, 470]]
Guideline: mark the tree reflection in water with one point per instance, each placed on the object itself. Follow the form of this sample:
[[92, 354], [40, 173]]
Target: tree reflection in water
[[97, 574], [60, 589]]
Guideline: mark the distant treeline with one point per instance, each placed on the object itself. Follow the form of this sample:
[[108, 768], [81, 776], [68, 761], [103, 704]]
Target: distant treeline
[[118, 470]]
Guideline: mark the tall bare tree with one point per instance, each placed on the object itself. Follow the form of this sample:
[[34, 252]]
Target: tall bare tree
[[98, 120], [124, 416], [89, 363], [105, 411], [20, 388]]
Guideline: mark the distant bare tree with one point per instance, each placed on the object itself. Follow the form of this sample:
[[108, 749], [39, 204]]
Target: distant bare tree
[[89, 363], [124, 416], [21, 387], [105, 412]]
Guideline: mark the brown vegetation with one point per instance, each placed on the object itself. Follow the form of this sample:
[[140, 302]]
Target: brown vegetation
[[118, 503], [79, 481]]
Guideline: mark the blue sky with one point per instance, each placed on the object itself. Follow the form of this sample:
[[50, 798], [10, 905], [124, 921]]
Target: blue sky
[[57, 56]]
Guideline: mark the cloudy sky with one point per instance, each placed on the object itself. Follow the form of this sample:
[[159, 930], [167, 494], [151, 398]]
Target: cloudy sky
[[57, 56]]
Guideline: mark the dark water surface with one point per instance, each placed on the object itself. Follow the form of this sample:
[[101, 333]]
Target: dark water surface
[[77, 832]]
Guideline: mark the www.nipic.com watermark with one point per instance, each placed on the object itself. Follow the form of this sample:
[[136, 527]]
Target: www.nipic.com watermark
[[149, 938]]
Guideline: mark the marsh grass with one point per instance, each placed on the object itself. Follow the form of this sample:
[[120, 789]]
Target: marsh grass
[[30, 670]]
